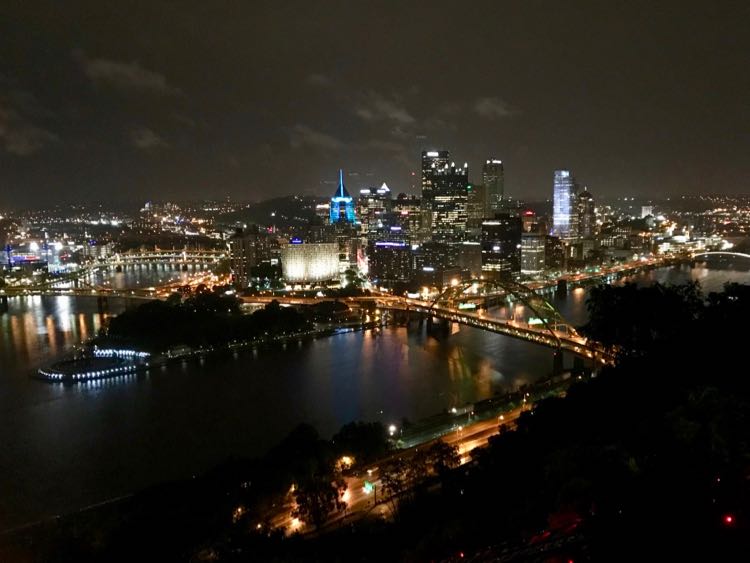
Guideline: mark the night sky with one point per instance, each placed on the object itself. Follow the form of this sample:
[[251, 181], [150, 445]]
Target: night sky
[[157, 100]]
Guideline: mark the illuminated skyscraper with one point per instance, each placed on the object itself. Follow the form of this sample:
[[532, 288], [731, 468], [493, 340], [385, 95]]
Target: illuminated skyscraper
[[247, 250], [342, 204], [449, 200], [501, 246], [564, 206], [476, 207], [586, 215], [532, 253], [493, 178], [374, 204], [433, 162]]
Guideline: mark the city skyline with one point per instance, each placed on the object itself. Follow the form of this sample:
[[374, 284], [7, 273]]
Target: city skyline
[[195, 104], [292, 281]]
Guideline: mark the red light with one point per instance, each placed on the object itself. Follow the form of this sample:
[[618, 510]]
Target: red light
[[728, 519], [461, 554]]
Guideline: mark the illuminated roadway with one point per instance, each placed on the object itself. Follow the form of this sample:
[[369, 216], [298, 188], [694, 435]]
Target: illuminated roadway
[[359, 502]]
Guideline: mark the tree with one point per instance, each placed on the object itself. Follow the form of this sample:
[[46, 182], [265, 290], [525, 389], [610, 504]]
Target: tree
[[635, 318], [394, 477], [318, 497], [443, 457], [366, 441], [352, 278]]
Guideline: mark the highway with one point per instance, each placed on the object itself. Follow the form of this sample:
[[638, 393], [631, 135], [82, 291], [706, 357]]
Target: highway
[[361, 501]]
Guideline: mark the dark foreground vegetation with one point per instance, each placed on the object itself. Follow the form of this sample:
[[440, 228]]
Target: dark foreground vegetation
[[649, 461]]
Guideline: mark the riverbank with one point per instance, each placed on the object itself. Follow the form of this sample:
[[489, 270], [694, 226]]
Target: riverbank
[[80, 443], [105, 517], [112, 363]]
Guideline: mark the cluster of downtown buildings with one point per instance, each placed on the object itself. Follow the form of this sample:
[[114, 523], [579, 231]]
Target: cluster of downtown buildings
[[456, 229]]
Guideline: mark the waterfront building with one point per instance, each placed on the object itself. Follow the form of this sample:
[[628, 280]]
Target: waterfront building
[[247, 250], [389, 262], [501, 246], [436, 263], [554, 253], [470, 258], [310, 263], [532, 253]]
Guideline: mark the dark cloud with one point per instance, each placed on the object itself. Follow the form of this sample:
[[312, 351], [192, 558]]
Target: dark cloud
[[623, 93], [129, 76], [146, 139], [493, 108], [320, 80], [374, 107], [18, 135], [301, 136]]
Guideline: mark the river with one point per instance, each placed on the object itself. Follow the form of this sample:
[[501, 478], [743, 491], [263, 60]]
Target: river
[[65, 447]]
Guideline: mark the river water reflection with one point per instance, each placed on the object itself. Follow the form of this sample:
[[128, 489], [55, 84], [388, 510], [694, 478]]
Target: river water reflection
[[64, 447]]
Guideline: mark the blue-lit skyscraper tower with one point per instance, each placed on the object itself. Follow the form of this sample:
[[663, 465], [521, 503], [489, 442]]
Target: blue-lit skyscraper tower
[[564, 208], [342, 204]]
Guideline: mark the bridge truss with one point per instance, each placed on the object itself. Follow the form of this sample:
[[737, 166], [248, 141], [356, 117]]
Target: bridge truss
[[487, 292]]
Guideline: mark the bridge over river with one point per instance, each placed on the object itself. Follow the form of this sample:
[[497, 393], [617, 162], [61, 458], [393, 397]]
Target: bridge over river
[[474, 303]]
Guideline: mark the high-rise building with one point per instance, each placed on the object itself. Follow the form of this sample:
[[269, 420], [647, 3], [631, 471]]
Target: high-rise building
[[374, 205], [342, 204], [532, 253], [432, 163], [407, 215], [389, 262], [470, 258], [646, 210], [501, 246], [323, 211], [586, 214], [530, 221], [564, 208], [493, 178], [436, 263], [247, 250], [449, 198], [554, 253], [476, 209]]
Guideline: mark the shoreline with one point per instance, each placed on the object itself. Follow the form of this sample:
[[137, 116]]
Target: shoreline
[[423, 431], [51, 375]]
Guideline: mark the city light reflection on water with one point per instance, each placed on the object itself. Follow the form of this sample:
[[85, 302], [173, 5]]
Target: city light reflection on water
[[99, 439]]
